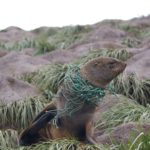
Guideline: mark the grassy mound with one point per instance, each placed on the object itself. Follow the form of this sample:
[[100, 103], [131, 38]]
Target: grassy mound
[[19, 114], [50, 145], [8, 138], [133, 88], [141, 142], [48, 78], [9, 141], [64, 37], [19, 45], [120, 54], [126, 110]]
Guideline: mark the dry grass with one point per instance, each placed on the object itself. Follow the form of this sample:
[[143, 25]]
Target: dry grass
[[126, 110], [120, 54], [133, 87], [8, 138], [19, 114], [48, 78], [59, 145]]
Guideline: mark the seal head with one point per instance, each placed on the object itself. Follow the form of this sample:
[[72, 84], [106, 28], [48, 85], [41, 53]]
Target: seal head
[[100, 71]]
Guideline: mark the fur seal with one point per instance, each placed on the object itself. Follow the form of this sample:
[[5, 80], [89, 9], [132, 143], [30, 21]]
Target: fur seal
[[98, 73]]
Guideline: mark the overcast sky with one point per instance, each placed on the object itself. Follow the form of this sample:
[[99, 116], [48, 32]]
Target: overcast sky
[[30, 14]]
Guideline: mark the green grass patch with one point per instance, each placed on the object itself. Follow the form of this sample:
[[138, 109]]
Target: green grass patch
[[43, 46], [141, 142]]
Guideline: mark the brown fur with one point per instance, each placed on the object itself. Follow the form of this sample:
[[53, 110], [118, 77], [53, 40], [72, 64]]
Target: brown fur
[[99, 72]]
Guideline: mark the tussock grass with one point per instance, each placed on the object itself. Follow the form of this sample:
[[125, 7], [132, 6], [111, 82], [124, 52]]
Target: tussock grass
[[141, 142], [19, 45], [8, 138], [131, 42], [48, 78], [43, 46], [121, 54], [66, 36], [66, 145], [136, 31], [19, 114], [126, 110], [9, 141], [62, 38], [133, 87]]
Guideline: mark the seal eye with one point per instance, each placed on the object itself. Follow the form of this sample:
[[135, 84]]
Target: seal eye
[[111, 65]]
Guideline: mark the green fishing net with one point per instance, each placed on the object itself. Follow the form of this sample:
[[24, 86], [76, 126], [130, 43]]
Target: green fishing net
[[78, 92]]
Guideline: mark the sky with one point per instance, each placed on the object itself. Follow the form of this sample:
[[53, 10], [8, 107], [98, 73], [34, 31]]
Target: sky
[[30, 14]]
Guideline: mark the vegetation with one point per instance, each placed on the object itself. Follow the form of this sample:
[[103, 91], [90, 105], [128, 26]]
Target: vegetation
[[133, 103], [124, 111], [141, 142], [19, 114], [136, 31], [43, 46], [48, 78], [134, 88], [19, 45], [8, 139], [131, 42], [49, 39], [121, 54]]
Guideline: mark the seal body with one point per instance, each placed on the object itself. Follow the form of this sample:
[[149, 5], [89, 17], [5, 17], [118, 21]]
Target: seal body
[[53, 123]]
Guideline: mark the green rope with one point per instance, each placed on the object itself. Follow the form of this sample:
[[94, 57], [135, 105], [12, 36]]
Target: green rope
[[78, 92]]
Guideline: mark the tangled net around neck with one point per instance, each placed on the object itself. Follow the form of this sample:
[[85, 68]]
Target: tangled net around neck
[[78, 92]]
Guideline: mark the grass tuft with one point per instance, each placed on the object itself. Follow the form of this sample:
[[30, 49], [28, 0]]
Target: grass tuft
[[43, 46], [8, 138], [19, 45], [20, 113], [67, 145], [48, 78], [141, 142], [126, 110], [119, 54], [133, 87]]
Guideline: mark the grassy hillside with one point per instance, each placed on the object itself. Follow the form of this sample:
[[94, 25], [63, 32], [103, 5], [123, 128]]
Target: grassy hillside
[[126, 104]]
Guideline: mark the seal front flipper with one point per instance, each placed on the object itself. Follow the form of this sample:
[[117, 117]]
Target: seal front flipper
[[30, 135], [50, 107]]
